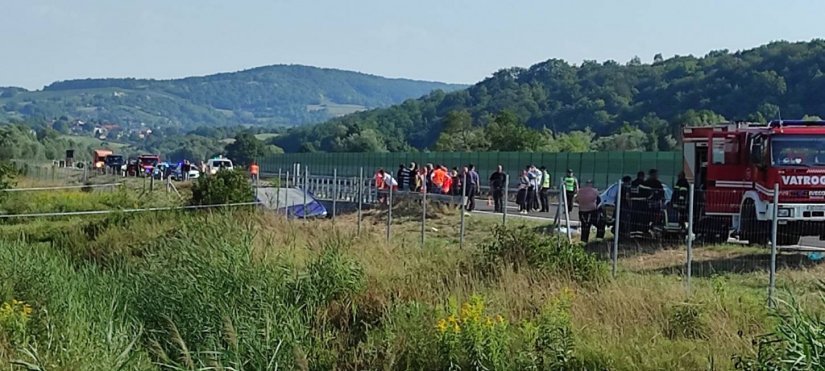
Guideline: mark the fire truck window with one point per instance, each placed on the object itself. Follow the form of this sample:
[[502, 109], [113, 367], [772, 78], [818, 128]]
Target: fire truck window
[[798, 150], [719, 151]]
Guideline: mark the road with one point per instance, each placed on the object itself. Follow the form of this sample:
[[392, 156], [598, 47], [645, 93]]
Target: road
[[805, 244]]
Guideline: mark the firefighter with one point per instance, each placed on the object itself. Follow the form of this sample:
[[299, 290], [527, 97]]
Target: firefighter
[[638, 205], [571, 186], [655, 197], [679, 200]]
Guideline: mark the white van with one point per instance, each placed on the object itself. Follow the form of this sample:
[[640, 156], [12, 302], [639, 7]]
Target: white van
[[219, 163]]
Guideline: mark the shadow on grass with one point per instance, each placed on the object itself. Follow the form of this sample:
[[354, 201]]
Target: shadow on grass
[[741, 264]]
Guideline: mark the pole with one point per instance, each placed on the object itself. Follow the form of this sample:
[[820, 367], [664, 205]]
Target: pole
[[614, 258], [566, 213], [504, 199], [334, 192], [689, 267], [423, 212], [463, 209], [278, 189], [286, 196], [389, 211], [774, 232], [360, 196], [306, 189]]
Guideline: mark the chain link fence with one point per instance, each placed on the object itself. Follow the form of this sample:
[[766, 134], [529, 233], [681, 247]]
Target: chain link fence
[[683, 230]]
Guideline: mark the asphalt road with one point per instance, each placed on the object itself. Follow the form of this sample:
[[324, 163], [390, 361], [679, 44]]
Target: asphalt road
[[806, 243]]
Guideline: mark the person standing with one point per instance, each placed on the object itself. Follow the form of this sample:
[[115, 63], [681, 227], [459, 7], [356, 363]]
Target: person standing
[[412, 179], [472, 187], [679, 199], [498, 180], [545, 188], [534, 176], [402, 176], [571, 186], [588, 199], [522, 196]]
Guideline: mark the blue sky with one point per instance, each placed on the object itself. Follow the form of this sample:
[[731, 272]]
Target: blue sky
[[453, 41]]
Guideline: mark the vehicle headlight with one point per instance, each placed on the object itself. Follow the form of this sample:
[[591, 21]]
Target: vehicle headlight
[[784, 212]]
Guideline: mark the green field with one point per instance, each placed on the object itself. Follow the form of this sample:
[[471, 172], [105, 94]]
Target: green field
[[246, 289]]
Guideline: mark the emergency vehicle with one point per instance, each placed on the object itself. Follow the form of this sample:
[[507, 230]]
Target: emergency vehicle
[[735, 168]]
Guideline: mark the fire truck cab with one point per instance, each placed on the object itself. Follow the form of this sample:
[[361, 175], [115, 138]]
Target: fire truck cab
[[736, 168]]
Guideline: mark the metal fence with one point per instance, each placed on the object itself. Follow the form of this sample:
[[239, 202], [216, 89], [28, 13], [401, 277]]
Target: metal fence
[[663, 232], [601, 167]]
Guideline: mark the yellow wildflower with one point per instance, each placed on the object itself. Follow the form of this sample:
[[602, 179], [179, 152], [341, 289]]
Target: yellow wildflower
[[456, 328], [442, 326], [27, 310], [499, 318]]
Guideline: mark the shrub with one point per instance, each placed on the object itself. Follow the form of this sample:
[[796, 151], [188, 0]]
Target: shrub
[[548, 342], [687, 321], [521, 246], [469, 338], [14, 320], [225, 187]]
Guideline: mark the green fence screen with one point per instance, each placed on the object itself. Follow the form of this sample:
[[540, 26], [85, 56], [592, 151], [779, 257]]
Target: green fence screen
[[602, 167]]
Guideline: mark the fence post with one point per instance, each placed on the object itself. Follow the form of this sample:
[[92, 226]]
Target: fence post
[[278, 191], [306, 189], [86, 176], [504, 199], [423, 212], [617, 216], [462, 209], [567, 214], [774, 232], [389, 212], [360, 196], [334, 192], [689, 267], [286, 197]]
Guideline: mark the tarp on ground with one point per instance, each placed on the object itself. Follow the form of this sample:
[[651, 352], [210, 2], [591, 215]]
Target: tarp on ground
[[291, 200]]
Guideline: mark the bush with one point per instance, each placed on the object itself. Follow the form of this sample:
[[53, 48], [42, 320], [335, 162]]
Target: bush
[[548, 342], [470, 338], [686, 321], [521, 246], [225, 187]]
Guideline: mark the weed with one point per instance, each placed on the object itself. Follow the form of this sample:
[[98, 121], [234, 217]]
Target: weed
[[686, 320]]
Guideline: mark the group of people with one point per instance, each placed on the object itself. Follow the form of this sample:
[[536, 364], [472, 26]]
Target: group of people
[[641, 197], [432, 178]]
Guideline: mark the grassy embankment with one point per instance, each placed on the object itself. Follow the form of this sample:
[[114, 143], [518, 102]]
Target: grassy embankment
[[248, 290]]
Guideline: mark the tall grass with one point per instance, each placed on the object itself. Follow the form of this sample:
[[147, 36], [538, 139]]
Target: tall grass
[[247, 290]]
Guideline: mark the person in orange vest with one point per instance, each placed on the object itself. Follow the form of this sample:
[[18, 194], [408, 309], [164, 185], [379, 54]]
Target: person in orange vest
[[254, 170], [439, 178]]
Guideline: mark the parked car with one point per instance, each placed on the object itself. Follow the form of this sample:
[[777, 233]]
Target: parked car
[[218, 163], [177, 173], [608, 200]]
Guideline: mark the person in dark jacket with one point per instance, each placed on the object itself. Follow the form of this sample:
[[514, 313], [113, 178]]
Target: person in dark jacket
[[411, 180], [679, 200], [498, 181], [402, 176]]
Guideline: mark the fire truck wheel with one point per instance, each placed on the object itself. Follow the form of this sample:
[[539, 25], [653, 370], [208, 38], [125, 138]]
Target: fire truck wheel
[[752, 230], [712, 231]]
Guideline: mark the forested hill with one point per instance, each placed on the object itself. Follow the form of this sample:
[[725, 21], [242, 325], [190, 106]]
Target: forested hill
[[281, 94], [637, 105]]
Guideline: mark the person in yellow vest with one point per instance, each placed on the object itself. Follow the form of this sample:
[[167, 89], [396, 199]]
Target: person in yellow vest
[[545, 187], [571, 186]]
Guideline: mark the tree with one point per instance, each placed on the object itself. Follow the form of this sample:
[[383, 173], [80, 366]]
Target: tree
[[245, 149], [507, 133], [225, 187], [459, 135]]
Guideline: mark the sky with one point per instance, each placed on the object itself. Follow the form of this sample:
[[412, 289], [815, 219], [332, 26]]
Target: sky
[[458, 41]]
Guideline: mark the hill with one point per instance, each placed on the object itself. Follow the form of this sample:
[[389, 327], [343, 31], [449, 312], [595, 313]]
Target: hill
[[272, 95], [641, 104]]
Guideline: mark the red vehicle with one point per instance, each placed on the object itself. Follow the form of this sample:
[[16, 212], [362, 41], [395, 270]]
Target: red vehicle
[[736, 167], [147, 163]]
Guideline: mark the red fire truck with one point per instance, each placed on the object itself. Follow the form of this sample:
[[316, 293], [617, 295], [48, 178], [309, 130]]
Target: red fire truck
[[735, 168]]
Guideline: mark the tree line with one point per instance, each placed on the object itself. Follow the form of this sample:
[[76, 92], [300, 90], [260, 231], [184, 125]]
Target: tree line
[[555, 105]]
